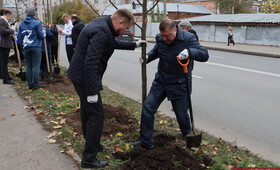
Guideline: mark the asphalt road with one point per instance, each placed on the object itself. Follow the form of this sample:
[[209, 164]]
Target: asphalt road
[[235, 96]]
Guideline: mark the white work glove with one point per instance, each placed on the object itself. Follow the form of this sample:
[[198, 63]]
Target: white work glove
[[184, 54], [141, 59], [92, 99], [140, 42]]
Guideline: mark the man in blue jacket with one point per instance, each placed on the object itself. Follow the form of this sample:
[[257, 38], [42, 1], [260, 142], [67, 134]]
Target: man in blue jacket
[[170, 80], [95, 45], [31, 37]]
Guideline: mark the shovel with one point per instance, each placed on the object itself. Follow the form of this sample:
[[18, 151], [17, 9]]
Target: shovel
[[21, 74], [47, 57], [56, 68], [193, 139]]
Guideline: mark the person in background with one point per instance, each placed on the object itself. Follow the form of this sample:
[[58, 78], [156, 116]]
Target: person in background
[[54, 43], [78, 26], [187, 26], [67, 31], [1, 14], [31, 38], [170, 80], [45, 74], [5, 45], [95, 46], [230, 35]]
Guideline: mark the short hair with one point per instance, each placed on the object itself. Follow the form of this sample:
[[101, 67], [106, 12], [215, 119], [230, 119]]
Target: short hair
[[185, 24], [7, 12], [167, 23], [2, 11], [74, 16], [65, 15], [230, 28], [124, 14]]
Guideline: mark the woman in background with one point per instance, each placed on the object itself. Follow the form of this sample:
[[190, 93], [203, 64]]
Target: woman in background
[[230, 35]]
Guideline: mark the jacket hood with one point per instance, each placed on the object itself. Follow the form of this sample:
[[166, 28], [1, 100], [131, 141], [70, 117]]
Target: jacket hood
[[77, 21], [28, 20]]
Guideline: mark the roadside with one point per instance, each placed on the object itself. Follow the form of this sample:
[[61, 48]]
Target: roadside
[[257, 50], [23, 142]]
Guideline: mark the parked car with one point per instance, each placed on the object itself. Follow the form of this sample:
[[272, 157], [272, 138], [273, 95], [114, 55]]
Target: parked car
[[128, 35]]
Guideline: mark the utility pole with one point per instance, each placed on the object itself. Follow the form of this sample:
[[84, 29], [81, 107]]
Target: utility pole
[[164, 9], [1, 4]]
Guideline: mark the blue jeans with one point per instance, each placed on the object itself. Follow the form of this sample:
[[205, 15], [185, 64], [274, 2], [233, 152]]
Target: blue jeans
[[150, 107], [33, 56]]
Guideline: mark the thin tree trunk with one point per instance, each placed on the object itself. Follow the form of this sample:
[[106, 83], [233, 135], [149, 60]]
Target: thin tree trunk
[[17, 10], [144, 51], [1, 4]]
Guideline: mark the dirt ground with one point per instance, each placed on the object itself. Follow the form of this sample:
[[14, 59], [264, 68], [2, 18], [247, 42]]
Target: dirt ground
[[164, 155]]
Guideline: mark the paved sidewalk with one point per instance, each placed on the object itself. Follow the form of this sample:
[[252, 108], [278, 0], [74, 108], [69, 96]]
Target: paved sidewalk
[[258, 50], [23, 142]]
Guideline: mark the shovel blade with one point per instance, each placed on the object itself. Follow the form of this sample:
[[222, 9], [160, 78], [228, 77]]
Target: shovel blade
[[21, 75], [194, 140], [56, 70]]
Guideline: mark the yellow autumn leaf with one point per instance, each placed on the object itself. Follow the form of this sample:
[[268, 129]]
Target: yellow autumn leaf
[[71, 151], [161, 122], [52, 121], [39, 112], [26, 107], [119, 134], [62, 121], [52, 141], [57, 127], [127, 146]]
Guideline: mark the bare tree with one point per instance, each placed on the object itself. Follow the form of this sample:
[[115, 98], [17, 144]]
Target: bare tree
[[1, 4]]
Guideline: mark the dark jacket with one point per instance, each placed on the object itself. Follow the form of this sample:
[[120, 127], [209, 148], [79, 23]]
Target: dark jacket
[[78, 26], [30, 33], [5, 34], [170, 78], [95, 46], [54, 40], [194, 32]]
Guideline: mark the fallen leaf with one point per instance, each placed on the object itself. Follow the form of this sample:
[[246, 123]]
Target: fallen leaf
[[62, 121], [228, 149], [13, 114], [52, 141], [214, 153], [119, 150], [60, 113], [39, 112], [71, 151], [127, 146], [70, 131], [57, 127], [119, 134], [59, 133], [71, 99], [52, 121], [58, 105], [107, 157], [252, 165], [161, 122], [165, 121], [52, 134], [163, 116], [202, 165], [111, 135], [230, 166], [62, 151], [26, 107], [13, 96]]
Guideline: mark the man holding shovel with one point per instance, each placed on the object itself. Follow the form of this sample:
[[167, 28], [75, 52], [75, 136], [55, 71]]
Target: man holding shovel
[[31, 37], [96, 44], [170, 79]]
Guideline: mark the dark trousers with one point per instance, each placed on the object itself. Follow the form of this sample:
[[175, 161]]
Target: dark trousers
[[150, 106], [92, 118], [230, 39], [54, 53], [70, 52], [4, 56]]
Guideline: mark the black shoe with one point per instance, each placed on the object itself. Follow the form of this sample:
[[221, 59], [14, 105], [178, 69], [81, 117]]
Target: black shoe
[[8, 82], [30, 87], [137, 143], [95, 164], [40, 86]]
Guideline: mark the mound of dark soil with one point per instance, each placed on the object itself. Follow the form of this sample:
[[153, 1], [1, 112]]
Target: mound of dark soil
[[164, 155], [60, 85], [117, 119]]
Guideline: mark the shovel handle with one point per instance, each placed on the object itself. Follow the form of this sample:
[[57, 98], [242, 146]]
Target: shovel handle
[[47, 56], [19, 61], [185, 66]]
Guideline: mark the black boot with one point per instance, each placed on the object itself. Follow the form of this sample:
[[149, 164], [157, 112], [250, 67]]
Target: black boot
[[94, 164]]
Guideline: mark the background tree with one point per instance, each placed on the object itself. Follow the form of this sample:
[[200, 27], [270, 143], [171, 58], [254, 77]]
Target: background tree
[[76, 7], [158, 17], [239, 6], [269, 6]]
